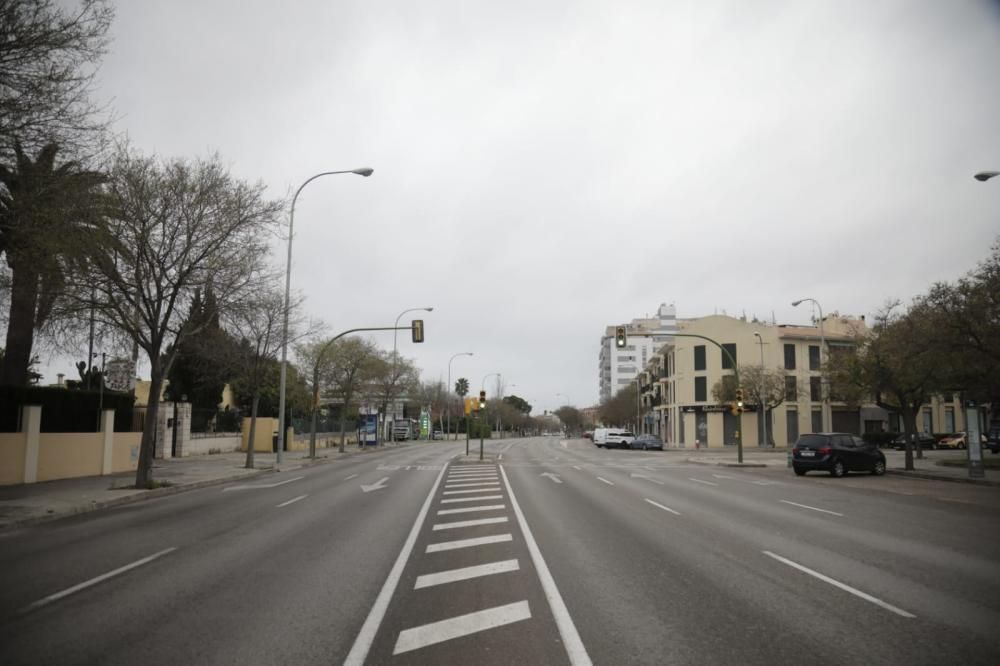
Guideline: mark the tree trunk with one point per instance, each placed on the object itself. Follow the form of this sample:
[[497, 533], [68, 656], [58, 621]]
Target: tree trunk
[[343, 419], [252, 435], [20, 327], [147, 449], [909, 430]]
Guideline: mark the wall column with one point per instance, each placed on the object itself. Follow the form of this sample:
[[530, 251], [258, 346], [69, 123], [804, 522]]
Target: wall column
[[108, 430], [31, 420]]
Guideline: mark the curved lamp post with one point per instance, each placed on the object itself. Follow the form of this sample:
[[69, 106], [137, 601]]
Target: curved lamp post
[[822, 353], [450, 389], [362, 171]]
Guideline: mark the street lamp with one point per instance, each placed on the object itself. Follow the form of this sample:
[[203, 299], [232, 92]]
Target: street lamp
[[822, 353], [761, 401], [363, 171], [395, 355], [983, 176], [450, 388]]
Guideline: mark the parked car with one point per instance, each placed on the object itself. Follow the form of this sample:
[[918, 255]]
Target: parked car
[[837, 453], [993, 439], [957, 441], [646, 442], [438, 434], [619, 438], [925, 440], [588, 434], [601, 436]]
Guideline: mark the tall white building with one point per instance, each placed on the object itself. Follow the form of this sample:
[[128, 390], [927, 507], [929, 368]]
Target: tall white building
[[619, 367]]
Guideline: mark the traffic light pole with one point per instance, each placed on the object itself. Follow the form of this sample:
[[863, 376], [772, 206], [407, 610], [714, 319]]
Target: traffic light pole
[[736, 372]]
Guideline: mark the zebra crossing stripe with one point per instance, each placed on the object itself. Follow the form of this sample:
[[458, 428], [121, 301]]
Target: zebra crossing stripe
[[462, 625]]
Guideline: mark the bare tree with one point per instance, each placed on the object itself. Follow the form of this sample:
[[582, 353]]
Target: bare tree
[[256, 322], [48, 57], [178, 226], [346, 365], [764, 387]]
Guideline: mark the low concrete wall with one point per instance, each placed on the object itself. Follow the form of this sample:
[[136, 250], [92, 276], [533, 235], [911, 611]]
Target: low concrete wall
[[125, 451], [12, 451], [324, 440], [68, 455], [223, 443]]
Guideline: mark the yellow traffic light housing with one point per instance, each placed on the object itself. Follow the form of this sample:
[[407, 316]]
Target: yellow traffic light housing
[[621, 337], [417, 329]]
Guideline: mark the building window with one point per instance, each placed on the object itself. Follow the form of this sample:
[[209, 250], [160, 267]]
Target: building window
[[792, 424], [789, 357], [814, 389], [727, 363], [813, 357], [949, 419], [927, 421], [791, 389], [948, 397], [817, 420], [700, 388], [699, 357]]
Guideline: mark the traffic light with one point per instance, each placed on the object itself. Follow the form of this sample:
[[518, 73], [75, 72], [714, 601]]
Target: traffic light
[[417, 329], [739, 397], [482, 400], [621, 338]]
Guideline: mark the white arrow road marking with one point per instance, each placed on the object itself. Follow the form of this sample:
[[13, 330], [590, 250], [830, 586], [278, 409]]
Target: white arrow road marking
[[806, 506], [562, 444], [293, 501], [842, 586], [660, 506], [378, 485], [551, 476], [577, 468], [263, 485], [94, 581], [648, 478], [466, 573], [462, 625]]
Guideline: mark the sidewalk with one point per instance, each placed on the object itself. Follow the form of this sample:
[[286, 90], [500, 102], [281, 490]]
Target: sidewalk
[[38, 502], [925, 468]]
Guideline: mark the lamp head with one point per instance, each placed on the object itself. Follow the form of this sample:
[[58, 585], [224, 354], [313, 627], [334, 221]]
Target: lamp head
[[983, 176], [796, 304], [363, 171]]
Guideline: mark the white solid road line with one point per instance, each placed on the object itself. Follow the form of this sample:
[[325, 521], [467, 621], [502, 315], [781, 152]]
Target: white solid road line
[[471, 499], [660, 506], [707, 483], [575, 650], [466, 573], [363, 643], [469, 523], [722, 476], [479, 484], [601, 478], [468, 543], [472, 509], [466, 492], [293, 501], [94, 581], [806, 506], [843, 586], [462, 625]]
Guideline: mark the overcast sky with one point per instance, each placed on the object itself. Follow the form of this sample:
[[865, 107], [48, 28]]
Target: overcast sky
[[544, 169]]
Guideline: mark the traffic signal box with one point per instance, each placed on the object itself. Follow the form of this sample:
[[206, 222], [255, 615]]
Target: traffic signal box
[[737, 406], [482, 400], [417, 328], [621, 337]]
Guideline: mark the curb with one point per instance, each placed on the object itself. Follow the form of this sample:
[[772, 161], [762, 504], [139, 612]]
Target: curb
[[930, 476]]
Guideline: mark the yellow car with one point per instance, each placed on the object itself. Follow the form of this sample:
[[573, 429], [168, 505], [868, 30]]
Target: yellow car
[[956, 441]]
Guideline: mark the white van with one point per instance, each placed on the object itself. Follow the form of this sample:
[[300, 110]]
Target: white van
[[601, 436]]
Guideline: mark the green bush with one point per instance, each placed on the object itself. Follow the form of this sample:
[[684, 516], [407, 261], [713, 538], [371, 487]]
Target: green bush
[[64, 410]]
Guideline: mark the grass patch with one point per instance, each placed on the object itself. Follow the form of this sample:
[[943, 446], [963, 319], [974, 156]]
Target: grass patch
[[988, 463], [156, 483]]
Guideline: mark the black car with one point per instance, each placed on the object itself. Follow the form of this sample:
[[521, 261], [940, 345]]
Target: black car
[[926, 441], [993, 439], [646, 442], [837, 453]]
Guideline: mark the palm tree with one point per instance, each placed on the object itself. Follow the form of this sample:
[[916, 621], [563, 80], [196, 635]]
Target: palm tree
[[48, 215], [462, 387]]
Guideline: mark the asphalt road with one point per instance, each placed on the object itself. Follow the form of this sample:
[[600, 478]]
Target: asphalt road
[[547, 552]]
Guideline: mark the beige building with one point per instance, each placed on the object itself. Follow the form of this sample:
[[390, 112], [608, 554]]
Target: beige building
[[676, 386]]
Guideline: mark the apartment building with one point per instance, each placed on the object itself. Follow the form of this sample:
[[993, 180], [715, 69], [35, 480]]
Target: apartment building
[[618, 368]]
